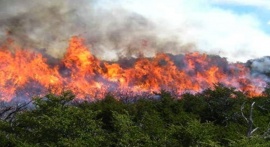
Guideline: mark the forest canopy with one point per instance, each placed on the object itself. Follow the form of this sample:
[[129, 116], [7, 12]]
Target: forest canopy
[[220, 116]]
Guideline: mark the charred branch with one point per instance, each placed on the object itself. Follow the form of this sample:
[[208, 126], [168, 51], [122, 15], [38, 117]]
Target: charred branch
[[9, 112]]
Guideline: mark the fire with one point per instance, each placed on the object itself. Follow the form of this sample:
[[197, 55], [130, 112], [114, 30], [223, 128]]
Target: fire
[[25, 73]]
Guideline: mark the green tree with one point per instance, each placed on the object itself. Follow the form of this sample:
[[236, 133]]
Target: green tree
[[196, 133], [55, 122], [222, 105], [128, 133]]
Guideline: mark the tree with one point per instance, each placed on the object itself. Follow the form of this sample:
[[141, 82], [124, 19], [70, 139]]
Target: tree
[[223, 105], [128, 133], [55, 122]]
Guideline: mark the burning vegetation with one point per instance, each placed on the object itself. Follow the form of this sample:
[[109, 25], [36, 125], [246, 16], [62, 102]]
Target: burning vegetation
[[25, 73], [148, 85]]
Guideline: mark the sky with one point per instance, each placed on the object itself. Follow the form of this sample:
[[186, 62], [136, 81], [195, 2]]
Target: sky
[[236, 29]]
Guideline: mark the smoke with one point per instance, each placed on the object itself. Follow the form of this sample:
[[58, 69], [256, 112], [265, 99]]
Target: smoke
[[260, 66], [125, 28], [36, 24], [111, 32]]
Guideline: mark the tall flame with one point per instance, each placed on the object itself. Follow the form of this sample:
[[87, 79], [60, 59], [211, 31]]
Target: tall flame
[[24, 73]]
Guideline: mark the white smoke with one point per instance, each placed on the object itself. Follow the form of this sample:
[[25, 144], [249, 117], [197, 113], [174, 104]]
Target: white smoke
[[237, 36], [112, 31], [129, 28]]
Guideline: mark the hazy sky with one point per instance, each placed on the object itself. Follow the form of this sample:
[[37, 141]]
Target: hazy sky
[[236, 29]]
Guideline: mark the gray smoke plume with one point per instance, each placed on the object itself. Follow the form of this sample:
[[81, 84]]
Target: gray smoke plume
[[112, 33], [260, 67]]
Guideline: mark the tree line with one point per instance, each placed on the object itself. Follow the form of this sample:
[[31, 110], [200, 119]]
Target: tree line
[[221, 116]]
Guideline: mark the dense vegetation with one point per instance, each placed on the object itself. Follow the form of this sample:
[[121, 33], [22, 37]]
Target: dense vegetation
[[218, 117]]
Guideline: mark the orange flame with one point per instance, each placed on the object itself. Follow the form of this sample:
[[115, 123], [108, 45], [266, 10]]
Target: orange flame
[[27, 73]]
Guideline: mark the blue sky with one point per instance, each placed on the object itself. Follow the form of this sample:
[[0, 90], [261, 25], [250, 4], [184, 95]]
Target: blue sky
[[263, 14]]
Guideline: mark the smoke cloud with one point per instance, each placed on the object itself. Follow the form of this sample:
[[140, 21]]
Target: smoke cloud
[[260, 67], [111, 32], [125, 28]]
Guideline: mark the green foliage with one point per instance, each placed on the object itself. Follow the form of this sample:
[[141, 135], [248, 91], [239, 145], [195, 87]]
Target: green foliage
[[219, 105], [222, 105], [56, 123], [211, 118], [255, 141], [128, 133], [197, 133]]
